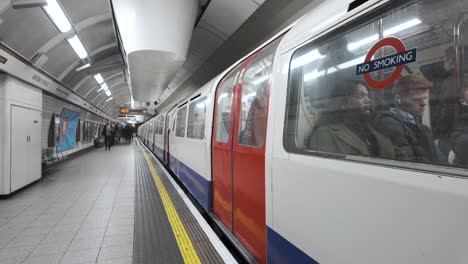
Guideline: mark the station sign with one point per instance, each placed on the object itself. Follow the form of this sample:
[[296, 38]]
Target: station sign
[[130, 111]]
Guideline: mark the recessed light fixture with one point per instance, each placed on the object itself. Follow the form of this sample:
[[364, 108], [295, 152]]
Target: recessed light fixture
[[57, 15], [78, 47], [99, 78], [110, 98], [87, 65]]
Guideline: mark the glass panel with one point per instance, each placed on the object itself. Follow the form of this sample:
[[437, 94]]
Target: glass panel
[[181, 118], [223, 108], [196, 119], [402, 103], [254, 103]]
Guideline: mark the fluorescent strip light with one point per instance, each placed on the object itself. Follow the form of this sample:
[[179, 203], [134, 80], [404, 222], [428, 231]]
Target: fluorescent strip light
[[104, 87], [87, 65], [55, 12], [262, 79], [78, 47], [388, 32], [306, 59], [109, 99], [108, 93], [99, 78], [401, 27], [316, 74], [132, 102], [362, 42]]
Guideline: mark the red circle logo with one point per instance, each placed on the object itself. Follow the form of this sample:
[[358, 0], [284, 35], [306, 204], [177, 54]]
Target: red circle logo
[[399, 47]]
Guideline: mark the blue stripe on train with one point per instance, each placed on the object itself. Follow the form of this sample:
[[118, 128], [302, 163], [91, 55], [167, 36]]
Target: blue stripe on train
[[197, 185], [280, 250]]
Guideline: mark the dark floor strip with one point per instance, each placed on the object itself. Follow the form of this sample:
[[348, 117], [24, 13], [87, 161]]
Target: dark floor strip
[[154, 241]]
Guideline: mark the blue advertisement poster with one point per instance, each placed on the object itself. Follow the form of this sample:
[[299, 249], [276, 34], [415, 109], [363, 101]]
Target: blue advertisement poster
[[67, 129]]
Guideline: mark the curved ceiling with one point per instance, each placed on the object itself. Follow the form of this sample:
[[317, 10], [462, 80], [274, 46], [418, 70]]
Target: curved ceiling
[[30, 32]]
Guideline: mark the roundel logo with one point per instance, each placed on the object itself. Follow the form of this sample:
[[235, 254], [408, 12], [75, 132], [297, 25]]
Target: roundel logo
[[397, 60]]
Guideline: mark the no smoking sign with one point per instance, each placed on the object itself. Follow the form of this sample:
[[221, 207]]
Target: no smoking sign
[[397, 60]]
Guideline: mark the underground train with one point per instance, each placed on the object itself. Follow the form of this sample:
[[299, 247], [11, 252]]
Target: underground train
[[255, 146]]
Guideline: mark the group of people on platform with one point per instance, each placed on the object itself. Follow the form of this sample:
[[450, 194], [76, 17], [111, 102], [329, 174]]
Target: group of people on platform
[[349, 124], [116, 133]]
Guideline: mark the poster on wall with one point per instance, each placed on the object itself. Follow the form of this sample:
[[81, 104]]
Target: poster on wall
[[68, 124]]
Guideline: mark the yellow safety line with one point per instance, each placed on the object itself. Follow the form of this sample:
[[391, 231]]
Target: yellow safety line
[[183, 240]]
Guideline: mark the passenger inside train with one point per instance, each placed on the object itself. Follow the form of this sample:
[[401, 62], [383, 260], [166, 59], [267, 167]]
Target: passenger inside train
[[421, 111], [412, 140], [344, 125]]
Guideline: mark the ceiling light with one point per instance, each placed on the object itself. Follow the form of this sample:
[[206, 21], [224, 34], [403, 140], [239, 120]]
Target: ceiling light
[[132, 102], [55, 12], [108, 93], [316, 74], [401, 27], [109, 99], [78, 47], [99, 78], [388, 32], [87, 65], [306, 59], [362, 42], [103, 87], [262, 79]]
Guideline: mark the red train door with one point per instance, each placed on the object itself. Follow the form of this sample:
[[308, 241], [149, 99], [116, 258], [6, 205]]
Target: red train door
[[252, 97], [221, 155]]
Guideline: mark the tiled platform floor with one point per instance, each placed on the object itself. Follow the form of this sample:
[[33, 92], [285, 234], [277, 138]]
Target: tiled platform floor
[[83, 213]]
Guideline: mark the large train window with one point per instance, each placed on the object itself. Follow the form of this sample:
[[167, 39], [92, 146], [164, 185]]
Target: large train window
[[223, 112], [196, 119], [181, 119], [392, 87], [254, 103]]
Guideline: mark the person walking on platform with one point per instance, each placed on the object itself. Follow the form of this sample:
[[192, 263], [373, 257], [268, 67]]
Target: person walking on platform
[[107, 133]]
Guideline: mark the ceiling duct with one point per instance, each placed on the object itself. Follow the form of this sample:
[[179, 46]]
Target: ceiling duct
[[155, 35], [18, 4]]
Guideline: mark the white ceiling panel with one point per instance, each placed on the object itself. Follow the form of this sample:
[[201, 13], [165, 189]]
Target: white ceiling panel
[[79, 10], [204, 42], [25, 26], [62, 55], [227, 15], [97, 36]]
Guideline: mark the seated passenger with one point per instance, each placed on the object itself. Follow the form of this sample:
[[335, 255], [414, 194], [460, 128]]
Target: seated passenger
[[344, 127], [459, 137], [412, 140]]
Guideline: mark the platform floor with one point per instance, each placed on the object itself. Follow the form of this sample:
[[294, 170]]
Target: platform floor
[[84, 212]]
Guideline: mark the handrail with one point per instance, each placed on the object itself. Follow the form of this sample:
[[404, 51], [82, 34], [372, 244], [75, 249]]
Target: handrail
[[458, 69]]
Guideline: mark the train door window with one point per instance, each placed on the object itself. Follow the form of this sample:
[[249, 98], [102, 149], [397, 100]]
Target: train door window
[[224, 103], [181, 119], [390, 87], [254, 102], [196, 119]]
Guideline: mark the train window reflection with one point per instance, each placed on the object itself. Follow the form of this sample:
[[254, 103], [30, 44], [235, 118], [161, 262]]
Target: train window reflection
[[254, 100], [413, 110], [181, 119], [223, 108], [196, 119]]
